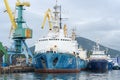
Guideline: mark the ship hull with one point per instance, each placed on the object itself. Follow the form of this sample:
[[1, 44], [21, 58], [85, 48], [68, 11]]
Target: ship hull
[[58, 62], [98, 65]]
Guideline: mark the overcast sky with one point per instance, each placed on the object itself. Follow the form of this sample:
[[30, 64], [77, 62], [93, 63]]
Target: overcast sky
[[92, 19]]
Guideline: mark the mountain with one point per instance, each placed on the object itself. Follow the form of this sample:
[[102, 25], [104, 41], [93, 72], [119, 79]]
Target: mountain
[[88, 45]]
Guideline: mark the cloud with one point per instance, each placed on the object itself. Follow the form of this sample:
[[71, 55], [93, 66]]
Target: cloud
[[107, 30], [93, 19]]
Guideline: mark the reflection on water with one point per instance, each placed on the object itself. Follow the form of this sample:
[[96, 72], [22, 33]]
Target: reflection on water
[[112, 75]]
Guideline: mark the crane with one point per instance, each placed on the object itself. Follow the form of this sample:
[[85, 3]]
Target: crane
[[19, 34], [65, 30], [10, 13], [47, 15]]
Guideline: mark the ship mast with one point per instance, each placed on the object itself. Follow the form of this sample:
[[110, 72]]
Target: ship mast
[[57, 16]]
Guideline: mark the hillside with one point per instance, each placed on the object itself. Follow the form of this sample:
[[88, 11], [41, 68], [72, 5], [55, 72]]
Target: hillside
[[88, 45]]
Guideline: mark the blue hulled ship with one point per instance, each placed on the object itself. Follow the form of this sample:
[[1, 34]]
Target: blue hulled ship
[[98, 61], [56, 52]]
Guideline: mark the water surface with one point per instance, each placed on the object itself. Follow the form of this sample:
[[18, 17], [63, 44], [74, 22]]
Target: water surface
[[83, 75]]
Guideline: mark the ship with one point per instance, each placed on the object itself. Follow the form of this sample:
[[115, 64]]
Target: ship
[[98, 61], [56, 51], [116, 63]]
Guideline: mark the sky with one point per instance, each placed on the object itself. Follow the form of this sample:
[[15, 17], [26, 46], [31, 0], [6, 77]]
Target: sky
[[92, 19]]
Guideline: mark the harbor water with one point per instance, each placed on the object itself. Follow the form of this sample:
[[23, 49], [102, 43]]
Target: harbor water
[[83, 75]]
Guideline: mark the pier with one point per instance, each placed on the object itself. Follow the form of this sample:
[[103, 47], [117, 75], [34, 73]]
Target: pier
[[16, 69]]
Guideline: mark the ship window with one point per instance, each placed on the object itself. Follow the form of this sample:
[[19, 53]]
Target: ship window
[[52, 39], [64, 39], [44, 40], [57, 39]]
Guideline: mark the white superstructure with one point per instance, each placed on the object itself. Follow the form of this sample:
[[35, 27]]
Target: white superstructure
[[56, 43], [97, 54]]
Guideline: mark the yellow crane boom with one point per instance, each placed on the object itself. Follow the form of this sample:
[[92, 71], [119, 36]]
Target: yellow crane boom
[[12, 17], [18, 3], [47, 16], [65, 30]]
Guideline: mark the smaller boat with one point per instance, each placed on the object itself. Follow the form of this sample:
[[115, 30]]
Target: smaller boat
[[98, 61], [116, 65]]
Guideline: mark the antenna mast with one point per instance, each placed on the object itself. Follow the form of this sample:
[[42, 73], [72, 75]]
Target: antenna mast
[[60, 19], [56, 14]]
